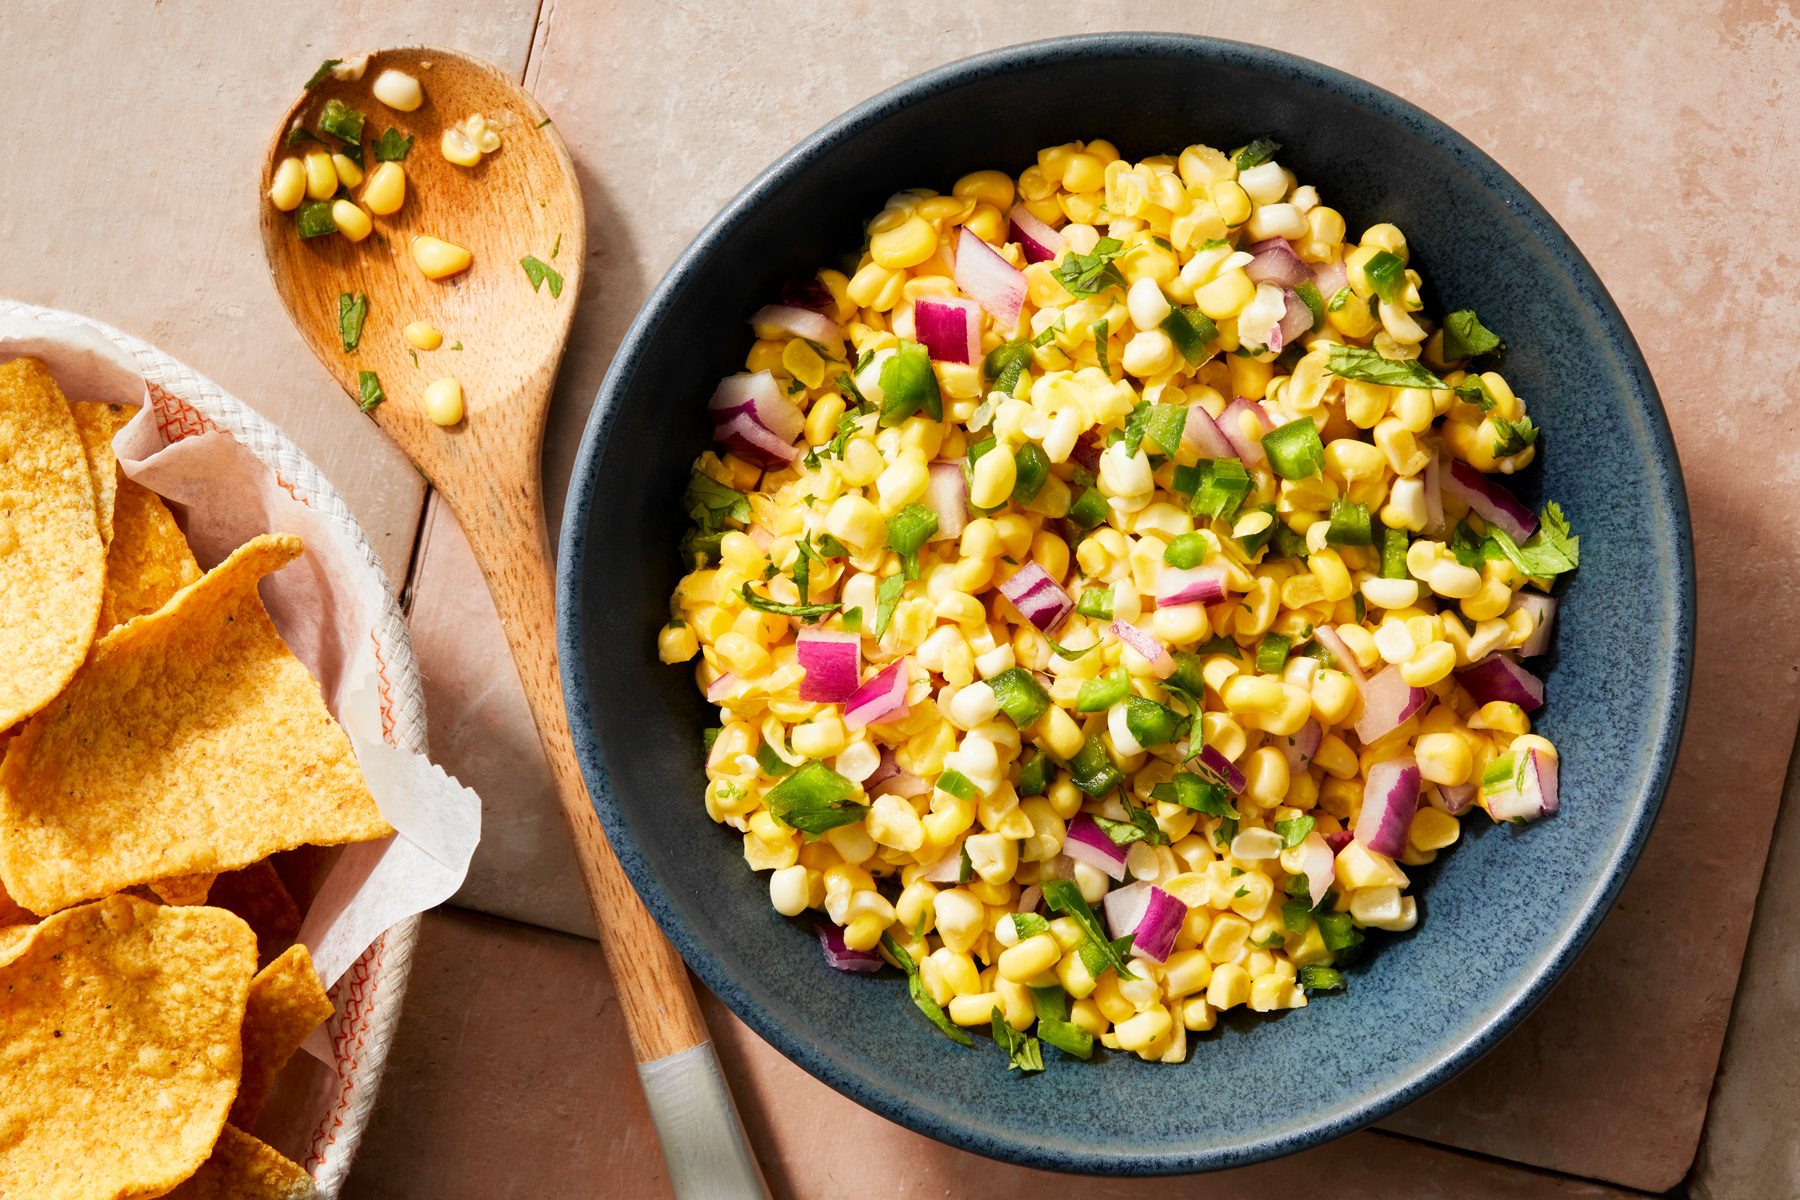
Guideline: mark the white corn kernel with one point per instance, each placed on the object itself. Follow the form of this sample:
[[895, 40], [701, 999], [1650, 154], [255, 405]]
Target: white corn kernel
[[788, 890], [444, 401], [402, 93], [1146, 304], [1391, 593]]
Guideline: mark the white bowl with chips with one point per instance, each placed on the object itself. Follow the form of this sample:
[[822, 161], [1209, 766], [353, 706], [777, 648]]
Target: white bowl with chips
[[321, 1108]]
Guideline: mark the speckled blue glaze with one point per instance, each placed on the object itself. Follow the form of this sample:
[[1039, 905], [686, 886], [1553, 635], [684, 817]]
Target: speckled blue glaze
[[1502, 915]]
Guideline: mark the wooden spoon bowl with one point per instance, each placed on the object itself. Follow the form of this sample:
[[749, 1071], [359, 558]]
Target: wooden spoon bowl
[[503, 339]]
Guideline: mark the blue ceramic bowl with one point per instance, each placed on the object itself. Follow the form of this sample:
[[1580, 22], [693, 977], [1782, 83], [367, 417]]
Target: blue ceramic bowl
[[1503, 914]]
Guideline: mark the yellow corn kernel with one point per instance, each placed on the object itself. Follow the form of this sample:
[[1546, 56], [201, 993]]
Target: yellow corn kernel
[[1113, 1004], [977, 1009], [423, 335], [991, 482], [677, 642], [1444, 758], [1359, 867], [1489, 601], [1430, 663], [1142, 1031], [822, 419], [906, 245], [321, 176], [1229, 986], [438, 259], [351, 221], [1433, 829], [1186, 972], [1015, 532], [1266, 776], [1252, 694], [1227, 936], [287, 187], [1333, 696], [457, 147], [1500, 717], [987, 187], [1030, 958], [349, 174], [1051, 553], [855, 521], [1232, 201], [1386, 237], [1226, 296], [444, 401]]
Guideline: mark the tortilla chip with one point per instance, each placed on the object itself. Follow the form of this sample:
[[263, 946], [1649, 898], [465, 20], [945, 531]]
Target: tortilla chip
[[52, 562], [183, 889], [192, 741], [148, 561], [121, 1053], [257, 894], [242, 1168], [95, 424], [10, 911], [286, 1004]]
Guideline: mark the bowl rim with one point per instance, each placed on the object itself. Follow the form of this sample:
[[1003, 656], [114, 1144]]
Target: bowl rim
[[1527, 992]]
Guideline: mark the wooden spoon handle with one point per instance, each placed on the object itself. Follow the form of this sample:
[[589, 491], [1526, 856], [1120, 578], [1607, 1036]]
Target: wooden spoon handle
[[702, 1137]]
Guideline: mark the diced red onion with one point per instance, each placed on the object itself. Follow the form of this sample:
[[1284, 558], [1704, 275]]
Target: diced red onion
[[1434, 493], [1124, 907], [1086, 842], [832, 662], [885, 769], [758, 394], [1300, 747], [1390, 798], [1086, 453], [883, 698], [1296, 320], [798, 322], [1457, 797], [994, 283], [949, 328], [1162, 665], [1150, 915], [1248, 445], [1029, 899], [1331, 278], [1346, 661], [1531, 793], [1037, 597], [1388, 703], [831, 942], [1488, 500], [947, 495], [1273, 260], [1219, 765], [1338, 839], [1202, 434], [808, 292], [1500, 677], [1189, 585], [1039, 242], [901, 783], [947, 869], [747, 439], [721, 687], [1543, 610], [1318, 864]]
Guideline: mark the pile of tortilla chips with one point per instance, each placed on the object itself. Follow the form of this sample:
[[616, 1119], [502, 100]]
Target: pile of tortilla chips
[[159, 742]]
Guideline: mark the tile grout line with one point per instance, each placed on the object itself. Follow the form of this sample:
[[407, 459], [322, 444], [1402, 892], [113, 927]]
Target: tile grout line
[[1508, 1163]]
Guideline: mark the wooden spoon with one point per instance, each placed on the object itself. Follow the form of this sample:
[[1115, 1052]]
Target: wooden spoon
[[503, 340]]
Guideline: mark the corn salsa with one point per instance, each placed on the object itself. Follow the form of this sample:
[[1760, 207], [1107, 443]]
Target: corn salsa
[[1110, 594]]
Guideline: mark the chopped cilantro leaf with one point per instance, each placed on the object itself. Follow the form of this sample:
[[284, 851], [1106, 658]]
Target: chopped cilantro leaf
[[1257, 153], [1552, 550], [1022, 1050], [1510, 437], [887, 598], [1465, 336], [391, 147], [352, 312], [540, 272], [1089, 274], [920, 996], [808, 613], [1353, 362], [369, 392]]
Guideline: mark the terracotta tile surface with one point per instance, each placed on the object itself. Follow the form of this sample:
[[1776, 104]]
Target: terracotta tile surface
[[1616, 118], [510, 1080], [135, 141]]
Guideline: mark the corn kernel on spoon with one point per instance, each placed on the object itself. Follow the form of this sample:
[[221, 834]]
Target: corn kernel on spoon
[[437, 286]]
